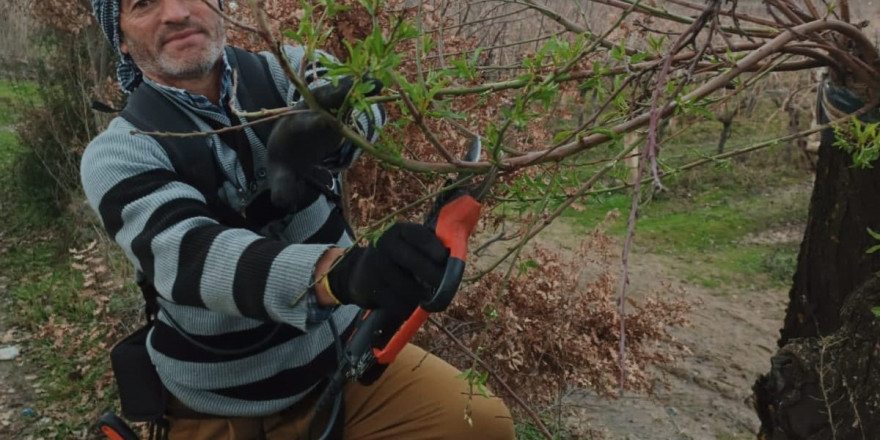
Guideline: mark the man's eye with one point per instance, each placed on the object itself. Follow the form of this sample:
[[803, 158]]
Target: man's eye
[[136, 4]]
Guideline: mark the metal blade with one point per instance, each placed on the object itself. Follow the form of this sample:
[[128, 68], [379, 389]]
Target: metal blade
[[473, 153]]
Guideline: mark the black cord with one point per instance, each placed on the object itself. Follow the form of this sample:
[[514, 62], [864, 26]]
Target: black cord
[[334, 387], [219, 351]]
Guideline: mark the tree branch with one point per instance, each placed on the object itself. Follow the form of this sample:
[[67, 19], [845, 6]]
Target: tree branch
[[531, 413]]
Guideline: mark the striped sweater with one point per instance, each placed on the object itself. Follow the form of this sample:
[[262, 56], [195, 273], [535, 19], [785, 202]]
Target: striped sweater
[[241, 293]]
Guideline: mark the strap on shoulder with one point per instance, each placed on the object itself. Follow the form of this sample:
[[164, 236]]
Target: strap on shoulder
[[191, 157], [258, 91]]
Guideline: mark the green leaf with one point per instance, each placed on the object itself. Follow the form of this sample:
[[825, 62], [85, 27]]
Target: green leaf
[[491, 313], [656, 43], [365, 87], [527, 265], [369, 6], [483, 391], [638, 58], [559, 137], [699, 110], [447, 114], [617, 52], [604, 130], [876, 311]]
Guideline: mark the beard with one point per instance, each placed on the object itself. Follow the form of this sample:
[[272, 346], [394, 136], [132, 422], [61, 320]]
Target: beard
[[160, 64]]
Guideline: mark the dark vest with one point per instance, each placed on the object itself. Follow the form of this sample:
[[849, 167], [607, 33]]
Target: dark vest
[[193, 157]]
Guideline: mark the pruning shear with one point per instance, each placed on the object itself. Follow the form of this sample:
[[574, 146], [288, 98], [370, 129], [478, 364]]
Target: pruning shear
[[379, 336]]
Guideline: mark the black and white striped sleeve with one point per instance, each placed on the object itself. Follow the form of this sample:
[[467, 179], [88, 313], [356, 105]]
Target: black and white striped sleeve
[[165, 228]]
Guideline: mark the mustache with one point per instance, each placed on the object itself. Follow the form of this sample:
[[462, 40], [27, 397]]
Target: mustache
[[169, 31]]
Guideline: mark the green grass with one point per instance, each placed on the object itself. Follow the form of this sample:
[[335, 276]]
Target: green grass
[[13, 94], [708, 212], [39, 296], [65, 341], [528, 431], [710, 230], [29, 206]]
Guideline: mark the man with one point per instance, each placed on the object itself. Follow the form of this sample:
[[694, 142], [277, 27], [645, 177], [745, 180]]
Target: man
[[242, 339]]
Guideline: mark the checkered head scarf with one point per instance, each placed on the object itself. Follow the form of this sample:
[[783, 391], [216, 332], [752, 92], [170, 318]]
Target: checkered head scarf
[[107, 14]]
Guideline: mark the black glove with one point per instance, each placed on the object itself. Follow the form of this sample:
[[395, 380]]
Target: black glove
[[302, 140], [402, 269]]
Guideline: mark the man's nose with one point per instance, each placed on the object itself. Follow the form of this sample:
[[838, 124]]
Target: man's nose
[[176, 11]]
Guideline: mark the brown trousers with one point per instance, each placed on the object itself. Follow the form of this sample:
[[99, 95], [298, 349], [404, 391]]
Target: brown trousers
[[418, 397]]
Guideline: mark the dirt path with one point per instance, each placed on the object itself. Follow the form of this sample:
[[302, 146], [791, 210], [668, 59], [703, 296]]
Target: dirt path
[[17, 384], [16, 390], [708, 391]]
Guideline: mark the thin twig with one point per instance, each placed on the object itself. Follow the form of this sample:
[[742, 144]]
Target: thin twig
[[420, 122], [531, 413], [650, 153], [756, 147], [844, 10], [212, 4], [768, 32], [577, 195], [273, 114], [571, 26], [738, 16]]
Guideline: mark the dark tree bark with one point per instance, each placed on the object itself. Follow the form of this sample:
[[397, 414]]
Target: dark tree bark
[[824, 381], [726, 119], [832, 260], [827, 387]]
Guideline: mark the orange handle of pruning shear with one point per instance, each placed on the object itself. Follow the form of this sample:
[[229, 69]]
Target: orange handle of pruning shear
[[114, 428], [455, 223]]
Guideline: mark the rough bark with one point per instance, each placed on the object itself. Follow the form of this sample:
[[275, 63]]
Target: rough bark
[[827, 387], [824, 381], [832, 260]]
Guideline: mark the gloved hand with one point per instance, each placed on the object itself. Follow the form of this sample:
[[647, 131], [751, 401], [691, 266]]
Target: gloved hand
[[402, 269], [300, 141]]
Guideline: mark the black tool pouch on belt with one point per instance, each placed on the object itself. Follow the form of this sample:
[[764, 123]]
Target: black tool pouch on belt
[[140, 391]]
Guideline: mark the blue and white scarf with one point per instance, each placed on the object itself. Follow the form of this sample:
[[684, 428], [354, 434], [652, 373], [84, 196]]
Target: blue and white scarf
[[107, 14]]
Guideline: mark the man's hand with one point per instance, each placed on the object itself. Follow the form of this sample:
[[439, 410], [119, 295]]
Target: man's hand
[[301, 141], [401, 270], [304, 138]]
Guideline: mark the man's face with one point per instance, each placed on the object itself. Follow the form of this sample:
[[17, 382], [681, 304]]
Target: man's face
[[171, 39]]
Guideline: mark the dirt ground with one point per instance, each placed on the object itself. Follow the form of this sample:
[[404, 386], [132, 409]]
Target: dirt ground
[[706, 393], [17, 389]]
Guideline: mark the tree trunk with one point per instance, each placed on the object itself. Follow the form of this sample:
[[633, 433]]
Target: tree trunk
[[824, 381], [726, 120], [832, 260], [827, 387]]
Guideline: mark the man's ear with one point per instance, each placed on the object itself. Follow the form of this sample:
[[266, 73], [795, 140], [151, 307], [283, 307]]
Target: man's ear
[[123, 47]]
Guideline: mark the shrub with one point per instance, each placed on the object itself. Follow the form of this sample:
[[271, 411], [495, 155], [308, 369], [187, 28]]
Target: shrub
[[556, 324]]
